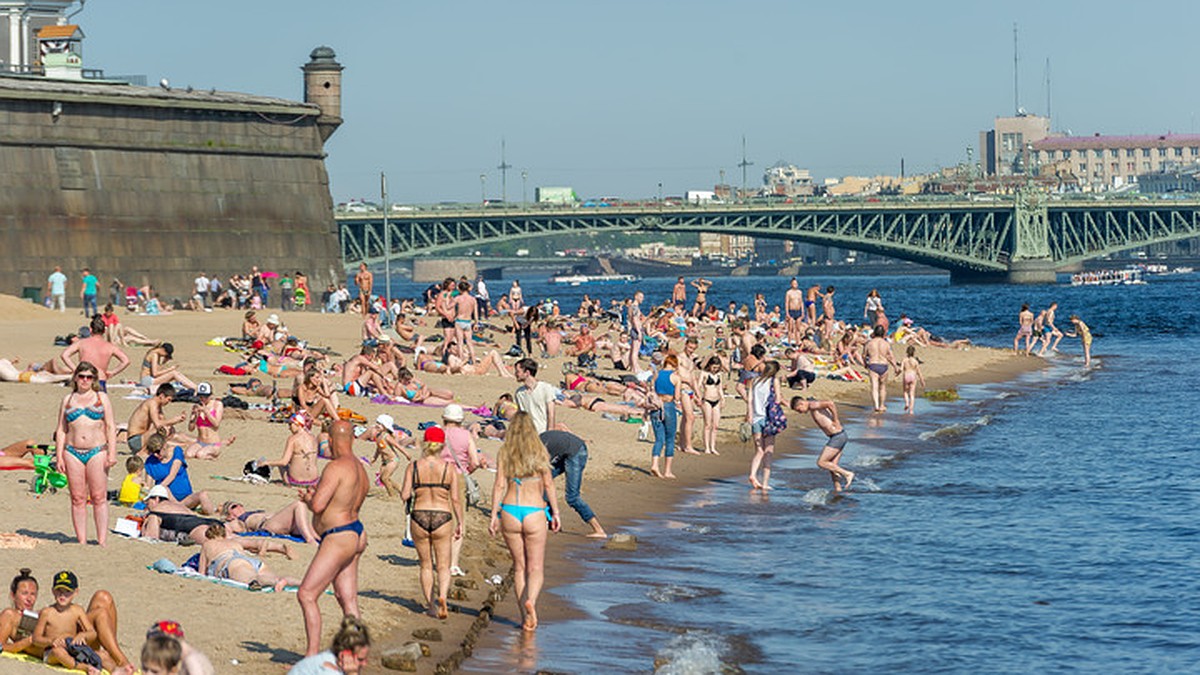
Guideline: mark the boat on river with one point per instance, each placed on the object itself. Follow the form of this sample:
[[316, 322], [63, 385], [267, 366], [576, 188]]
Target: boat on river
[[1125, 277], [580, 279]]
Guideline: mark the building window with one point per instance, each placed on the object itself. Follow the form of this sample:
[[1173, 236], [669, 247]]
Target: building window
[[1179, 152], [1195, 151], [1162, 152], [1050, 154], [1116, 167], [1130, 152], [1083, 168], [1146, 165], [1097, 153], [1066, 154], [1114, 153], [1131, 166], [1145, 152], [1098, 169]]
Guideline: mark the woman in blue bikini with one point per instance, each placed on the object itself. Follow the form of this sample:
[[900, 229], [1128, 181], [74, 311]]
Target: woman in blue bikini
[[524, 493], [86, 442]]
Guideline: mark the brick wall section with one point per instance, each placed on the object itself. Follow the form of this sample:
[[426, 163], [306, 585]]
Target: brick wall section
[[157, 193]]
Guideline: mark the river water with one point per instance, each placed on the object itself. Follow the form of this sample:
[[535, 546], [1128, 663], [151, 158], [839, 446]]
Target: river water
[[1044, 524]]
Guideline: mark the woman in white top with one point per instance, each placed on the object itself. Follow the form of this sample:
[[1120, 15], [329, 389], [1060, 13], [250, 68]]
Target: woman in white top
[[874, 304], [761, 389]]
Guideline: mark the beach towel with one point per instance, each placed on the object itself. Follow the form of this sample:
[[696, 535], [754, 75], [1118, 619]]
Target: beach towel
[[26, 658], [272, 535], [188, 573]]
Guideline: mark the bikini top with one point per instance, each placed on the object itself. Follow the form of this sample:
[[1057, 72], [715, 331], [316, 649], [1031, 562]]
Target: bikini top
[[203, 420], [95, 412], [247, 514], [417, 484]]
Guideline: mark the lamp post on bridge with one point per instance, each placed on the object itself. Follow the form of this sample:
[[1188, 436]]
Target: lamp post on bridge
[[482, 189], [387, 243], [524, 194]]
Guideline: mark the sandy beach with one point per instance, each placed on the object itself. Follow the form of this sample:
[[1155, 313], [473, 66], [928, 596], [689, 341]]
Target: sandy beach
[[262, 632]]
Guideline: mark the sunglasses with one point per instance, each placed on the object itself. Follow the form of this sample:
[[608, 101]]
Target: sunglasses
[[85, 376]]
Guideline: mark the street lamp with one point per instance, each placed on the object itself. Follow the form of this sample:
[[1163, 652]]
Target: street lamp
[[660, 192], [524, 198], [483, 188]]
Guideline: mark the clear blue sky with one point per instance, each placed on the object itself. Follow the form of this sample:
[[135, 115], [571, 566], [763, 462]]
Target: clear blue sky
[[612, 97]]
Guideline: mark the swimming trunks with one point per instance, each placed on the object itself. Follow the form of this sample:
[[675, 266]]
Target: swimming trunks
[[353, 388], [879, 369], [85, 456], [462, 323], [134, 442], [25, 376], [837, 441], [795, 313], [356, 527]]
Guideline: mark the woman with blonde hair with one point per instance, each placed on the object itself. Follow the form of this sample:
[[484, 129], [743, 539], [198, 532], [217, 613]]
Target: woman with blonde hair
[[524, 502], [86, 442], [432, 484]]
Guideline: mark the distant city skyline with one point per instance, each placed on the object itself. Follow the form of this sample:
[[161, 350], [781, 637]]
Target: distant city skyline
[[614, 99]]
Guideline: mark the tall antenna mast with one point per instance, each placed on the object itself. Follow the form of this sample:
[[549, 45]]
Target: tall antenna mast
[[1016, 98], [1048, 115], [504, 167], [744, 163]]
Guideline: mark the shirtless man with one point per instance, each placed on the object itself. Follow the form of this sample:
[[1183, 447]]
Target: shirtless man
[[584, 349], [335, 502], [1024, 330], [1050, 330], [793, 302], [298, 464], [466, 313], [445, 309], [810, 302], [360, 374], [701, 285], [364, 280], [825, 416], [150, 418], [877, 354], [687, 370], [97, 351], [679, 294]]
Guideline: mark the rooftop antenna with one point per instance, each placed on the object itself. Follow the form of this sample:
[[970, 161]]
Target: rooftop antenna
[[744, 163], [504, 167], [1016, 98]]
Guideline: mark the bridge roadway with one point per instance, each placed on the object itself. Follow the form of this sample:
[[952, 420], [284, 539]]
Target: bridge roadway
[[1022, 238]]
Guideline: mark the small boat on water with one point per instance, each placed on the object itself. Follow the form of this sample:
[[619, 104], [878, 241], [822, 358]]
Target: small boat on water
[[579, 279], [1126, 277]]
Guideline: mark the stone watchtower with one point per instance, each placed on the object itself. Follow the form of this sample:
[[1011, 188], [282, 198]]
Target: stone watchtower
[[323, 88]]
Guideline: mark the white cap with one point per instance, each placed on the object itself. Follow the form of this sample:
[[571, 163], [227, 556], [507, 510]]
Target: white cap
[[158, 491], [386, 422], [204, 389], [453, 413], [385, 338], [645, 375], [274, 318]]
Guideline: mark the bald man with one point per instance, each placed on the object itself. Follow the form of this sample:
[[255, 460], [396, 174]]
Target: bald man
[[335, 502]]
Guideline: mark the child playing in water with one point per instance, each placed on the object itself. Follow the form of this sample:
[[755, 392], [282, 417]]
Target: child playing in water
[[910, 372], [64, 629]]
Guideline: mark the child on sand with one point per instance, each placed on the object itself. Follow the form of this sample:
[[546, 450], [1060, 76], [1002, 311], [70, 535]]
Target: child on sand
[[910, 372], [135, 479], [63, 629]]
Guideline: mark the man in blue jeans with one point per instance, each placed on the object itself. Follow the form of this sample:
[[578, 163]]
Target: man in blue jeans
[[87, 293], [568, 454]]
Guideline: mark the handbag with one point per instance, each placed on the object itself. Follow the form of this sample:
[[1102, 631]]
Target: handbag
[[776, 420]]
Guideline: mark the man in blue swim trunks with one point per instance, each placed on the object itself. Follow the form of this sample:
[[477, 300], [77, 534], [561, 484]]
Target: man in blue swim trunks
[[335, 503]]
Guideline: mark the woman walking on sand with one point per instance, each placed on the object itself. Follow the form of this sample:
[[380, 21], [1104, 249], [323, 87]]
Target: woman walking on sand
[[437, 517], [524, 492], [763, 390], [86, 442]]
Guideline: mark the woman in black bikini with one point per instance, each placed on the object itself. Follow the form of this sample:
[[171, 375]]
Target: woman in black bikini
[[433, 487], [710, 405]]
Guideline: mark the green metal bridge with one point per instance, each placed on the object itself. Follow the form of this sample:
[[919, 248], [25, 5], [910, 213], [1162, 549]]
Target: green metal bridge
[[1023, 238]]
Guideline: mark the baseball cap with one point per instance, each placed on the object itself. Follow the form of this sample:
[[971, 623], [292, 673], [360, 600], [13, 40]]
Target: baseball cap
[[386, 422], [66, 580], [274, 318], [435, 435], [204, 389], [299, 418], [453, 413], [158, 491]]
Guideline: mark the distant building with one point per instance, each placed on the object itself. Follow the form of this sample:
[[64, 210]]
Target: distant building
[[786, 179], [1185, 179], [1002, 150], [725, 245], [20, 21], [1100, 163]]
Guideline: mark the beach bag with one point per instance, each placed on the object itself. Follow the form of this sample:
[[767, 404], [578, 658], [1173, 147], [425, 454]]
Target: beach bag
[[233, 402], [474, 494], [645, 431], [776, 420]]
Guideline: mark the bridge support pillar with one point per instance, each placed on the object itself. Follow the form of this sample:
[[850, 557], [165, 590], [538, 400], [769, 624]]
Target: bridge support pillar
[[1032, 272], [436, 269]]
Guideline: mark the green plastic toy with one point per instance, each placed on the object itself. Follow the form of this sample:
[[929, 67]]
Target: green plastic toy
[[47, 476]]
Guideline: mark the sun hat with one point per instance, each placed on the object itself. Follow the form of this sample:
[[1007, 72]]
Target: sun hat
[[158, 491], [453, 413], [386, 422]]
